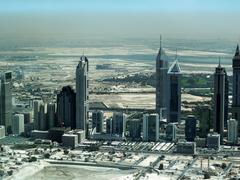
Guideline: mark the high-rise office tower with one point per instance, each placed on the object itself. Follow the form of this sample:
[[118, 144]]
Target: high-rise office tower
[[219, 100], [135, 129], [233, 131], [18, 124], [66, 107], [204, 116], [190, 128], [174, 107], [6, 101], [97, 121], [51, 115], [36, 108], [161, 80], [119, 123], [226, 103], [236, 87], [150, 127], [42, 117], [82, 85]]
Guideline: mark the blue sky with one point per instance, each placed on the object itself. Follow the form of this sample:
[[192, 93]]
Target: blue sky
[[118, 5], [184, 18]]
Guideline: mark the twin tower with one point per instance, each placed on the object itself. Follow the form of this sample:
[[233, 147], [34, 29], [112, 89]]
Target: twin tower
[[168, 87]]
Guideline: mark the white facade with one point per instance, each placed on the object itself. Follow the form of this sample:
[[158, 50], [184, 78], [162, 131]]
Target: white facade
[[18, 124], [2, 132], [232, 131], [150, 127]]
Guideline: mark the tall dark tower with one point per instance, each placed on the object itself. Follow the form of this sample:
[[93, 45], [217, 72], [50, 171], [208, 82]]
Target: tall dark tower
[[82, 98], [174, 97], [236, 87], [161, 80], [66, 107], [219, 100]]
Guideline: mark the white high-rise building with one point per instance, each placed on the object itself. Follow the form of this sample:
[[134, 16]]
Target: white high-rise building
[[150, 127], [18, 124], [82, 84], [233, 131]]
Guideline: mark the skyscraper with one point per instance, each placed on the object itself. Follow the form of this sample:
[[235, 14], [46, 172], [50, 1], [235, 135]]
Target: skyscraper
[[51, 115], [82, 84], [236, 87], [18, 124], [6, 101], [66, 107], [36, 108], [190, 128], [233, 131], [161, 80], [118, 123], [174, 107], [42, 117], [150, 127], [135, 129], [97, 121], [219, 100]]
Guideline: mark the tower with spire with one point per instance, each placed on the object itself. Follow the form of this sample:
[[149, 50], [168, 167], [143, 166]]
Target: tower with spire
[[236, 86], [82, 85], [220, 100], [174, 98], [161, 80]]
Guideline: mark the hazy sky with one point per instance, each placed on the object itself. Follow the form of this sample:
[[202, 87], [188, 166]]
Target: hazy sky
[[133, 18]]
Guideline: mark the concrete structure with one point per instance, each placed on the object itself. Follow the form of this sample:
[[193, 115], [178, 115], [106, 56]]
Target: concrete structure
[[219, 100], [81, 136], [2, 132], [236, 87], [233, 131], [69, 140], [66, 107], [82, 85], [174, 107], [6, 101], [150, 127], [135, 129], [161, 80], [51, 115], [213, 141], [171, 131], [190, 128], [186, 148], [119, 123], [97, 121], [18, 124]]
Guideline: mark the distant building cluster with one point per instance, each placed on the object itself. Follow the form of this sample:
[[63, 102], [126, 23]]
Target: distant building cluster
[[69, 120]]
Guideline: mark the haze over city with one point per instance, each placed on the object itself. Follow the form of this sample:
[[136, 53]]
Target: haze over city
[[136, 18]]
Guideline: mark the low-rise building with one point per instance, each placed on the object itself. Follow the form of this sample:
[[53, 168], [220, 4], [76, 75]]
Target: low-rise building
[[70, 140], [213, 141], [186, 148]]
